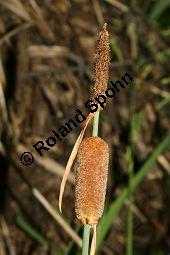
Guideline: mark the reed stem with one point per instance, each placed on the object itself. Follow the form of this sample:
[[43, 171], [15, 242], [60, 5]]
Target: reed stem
[[86, 236], [96, 124], [86, 233], [129, 250]]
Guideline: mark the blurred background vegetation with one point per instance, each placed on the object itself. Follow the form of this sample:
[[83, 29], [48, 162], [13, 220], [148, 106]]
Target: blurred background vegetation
[[46, 70]]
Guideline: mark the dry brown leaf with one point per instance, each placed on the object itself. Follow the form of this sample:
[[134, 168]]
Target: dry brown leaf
[[72, 157]]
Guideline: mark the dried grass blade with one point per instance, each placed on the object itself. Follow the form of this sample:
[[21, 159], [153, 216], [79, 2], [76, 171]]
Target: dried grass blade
[[72, 157], [41, 23], [122, 7], [93, 243], [57, 217], [17, 7], [6, 233], [8, 35]]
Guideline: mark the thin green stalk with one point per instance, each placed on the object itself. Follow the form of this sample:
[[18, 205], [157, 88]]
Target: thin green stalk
[[35, 235], [107, 219], [129, 249], [86, 233], [96, 124], [86, 236]]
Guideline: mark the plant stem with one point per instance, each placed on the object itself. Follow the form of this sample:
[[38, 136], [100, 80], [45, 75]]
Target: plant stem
[[130, 229], [86, 233], [115, 207], [96, 123], [129, 250], [86, 236]]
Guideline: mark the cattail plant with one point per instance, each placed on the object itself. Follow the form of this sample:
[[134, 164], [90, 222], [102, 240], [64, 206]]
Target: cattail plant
[[93, 156], [102, 60], [91, 179]]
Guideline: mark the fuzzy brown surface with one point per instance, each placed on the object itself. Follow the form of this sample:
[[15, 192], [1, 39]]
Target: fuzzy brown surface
[[101, 64], [91, 179]]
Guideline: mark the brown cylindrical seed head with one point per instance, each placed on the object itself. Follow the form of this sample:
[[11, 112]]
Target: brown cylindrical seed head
[[102, 61], [91, 179]]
